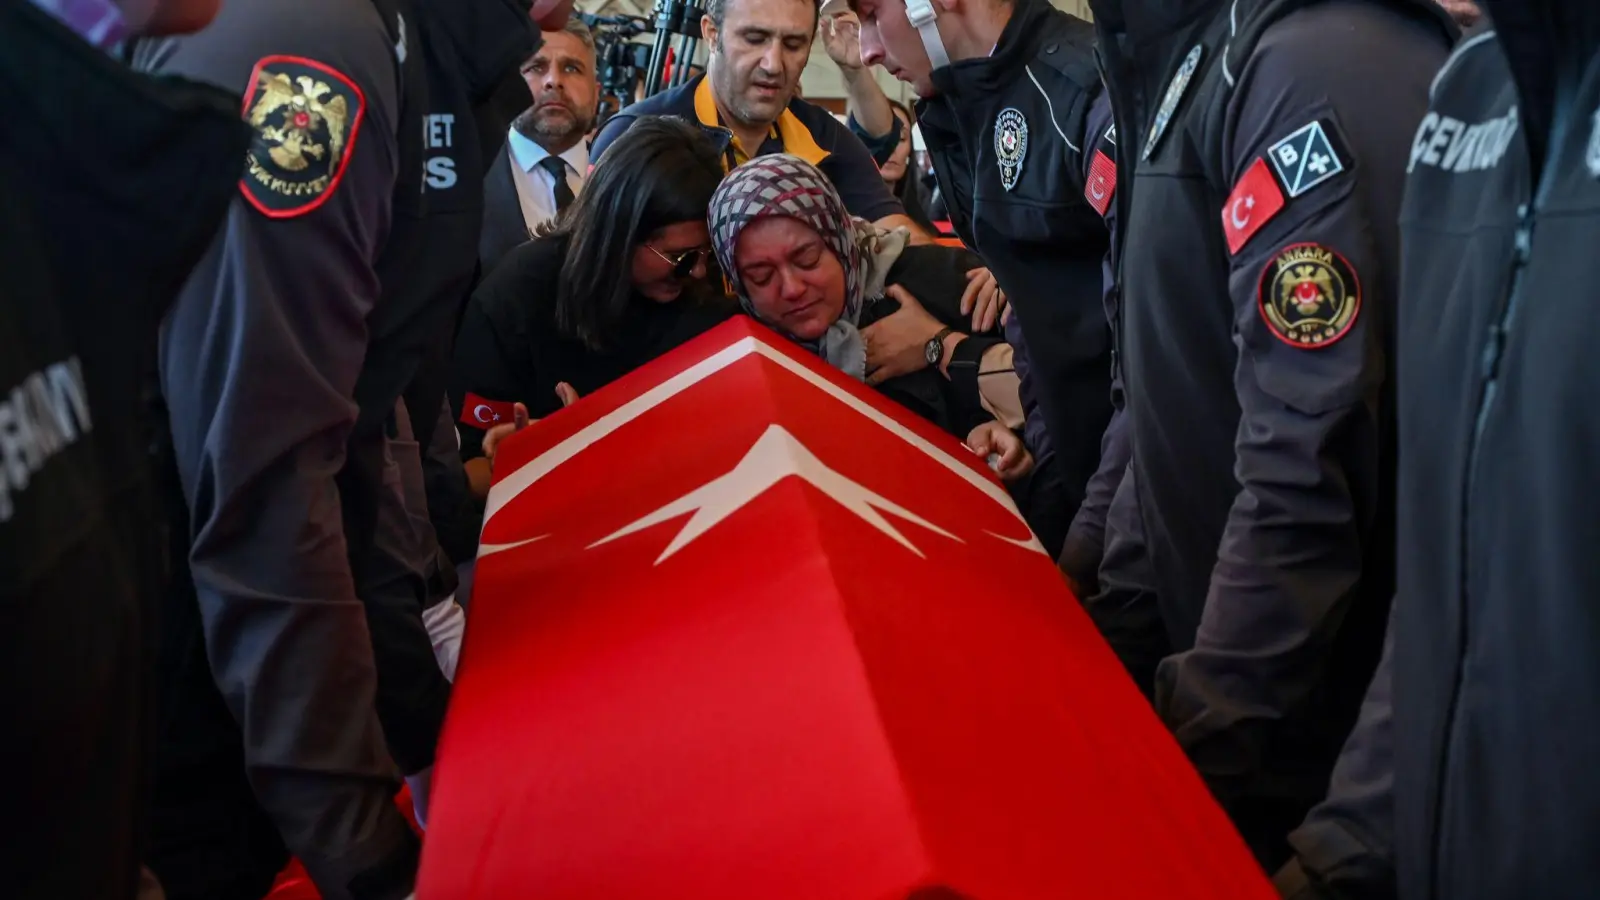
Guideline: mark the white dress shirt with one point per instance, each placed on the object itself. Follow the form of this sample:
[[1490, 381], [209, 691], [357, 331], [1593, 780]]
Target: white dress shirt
[[535, 187]]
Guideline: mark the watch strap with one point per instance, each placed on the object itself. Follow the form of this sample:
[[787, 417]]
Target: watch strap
[[933, 350]]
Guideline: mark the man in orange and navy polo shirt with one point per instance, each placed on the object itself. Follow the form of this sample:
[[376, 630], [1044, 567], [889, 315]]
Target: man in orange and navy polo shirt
[[758, 50]]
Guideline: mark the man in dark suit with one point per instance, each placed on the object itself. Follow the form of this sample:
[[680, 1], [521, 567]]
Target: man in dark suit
[[545, 158]]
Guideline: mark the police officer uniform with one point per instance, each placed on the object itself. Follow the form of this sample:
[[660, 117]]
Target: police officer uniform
[[1083, 545], [1007, 137], [111, 186], [1250, 547], [1471, 775], [330, 293]]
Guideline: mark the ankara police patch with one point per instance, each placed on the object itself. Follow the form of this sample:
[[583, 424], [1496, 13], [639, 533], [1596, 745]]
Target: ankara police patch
[[306, 116], [1309, 296]]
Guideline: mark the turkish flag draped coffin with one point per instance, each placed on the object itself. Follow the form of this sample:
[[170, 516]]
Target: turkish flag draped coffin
[[743, 628]]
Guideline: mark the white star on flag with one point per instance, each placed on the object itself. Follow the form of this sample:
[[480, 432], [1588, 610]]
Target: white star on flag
[[776, 455]]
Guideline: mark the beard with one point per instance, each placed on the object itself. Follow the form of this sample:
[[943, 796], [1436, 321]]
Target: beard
[[545, 129]]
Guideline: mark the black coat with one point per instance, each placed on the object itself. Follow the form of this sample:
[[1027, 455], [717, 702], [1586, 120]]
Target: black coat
[[1471, 776], [1250, 545], [509, 349], [936, 276], [1038, 234], [111, 186]]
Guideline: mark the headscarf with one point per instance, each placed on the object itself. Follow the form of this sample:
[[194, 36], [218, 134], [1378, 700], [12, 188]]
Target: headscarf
[[778, 184]]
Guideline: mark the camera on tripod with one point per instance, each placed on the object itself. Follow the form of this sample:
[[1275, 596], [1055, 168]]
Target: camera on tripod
[[620, 61], [665, 63]]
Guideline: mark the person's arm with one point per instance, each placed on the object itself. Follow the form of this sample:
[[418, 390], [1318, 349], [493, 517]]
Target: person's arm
[[1085, 542], [259, 359], [1345, 847], [871, 116], [484, 382], [1308, 281], [853, 173]]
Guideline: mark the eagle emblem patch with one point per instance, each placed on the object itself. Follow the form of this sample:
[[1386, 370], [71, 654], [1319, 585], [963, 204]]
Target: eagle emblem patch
[[1309, 296], [306, 116], [1010, 145]]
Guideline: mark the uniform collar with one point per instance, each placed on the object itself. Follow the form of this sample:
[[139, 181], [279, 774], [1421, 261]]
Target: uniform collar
[[527, 153], [792, 134], [1018, 45], [1150, 24]]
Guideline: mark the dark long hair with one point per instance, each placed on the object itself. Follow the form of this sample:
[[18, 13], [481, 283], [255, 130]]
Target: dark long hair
[[660, 172]]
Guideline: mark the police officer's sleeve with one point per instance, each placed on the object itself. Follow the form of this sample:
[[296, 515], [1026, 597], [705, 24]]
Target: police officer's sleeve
[[1308, 275], [1085, 543], [853, 173], [259, 360], [1344, 849]]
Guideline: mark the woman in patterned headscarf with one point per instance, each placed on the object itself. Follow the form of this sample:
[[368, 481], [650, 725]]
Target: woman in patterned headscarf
[[800, 264], [797, 201]]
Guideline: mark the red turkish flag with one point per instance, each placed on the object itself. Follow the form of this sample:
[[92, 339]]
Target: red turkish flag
[[483, 414], [1102, 184], [1255, 200], [742, 627]]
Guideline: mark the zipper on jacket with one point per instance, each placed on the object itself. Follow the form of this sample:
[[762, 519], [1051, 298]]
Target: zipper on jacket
[[1490, 358], [1122, 200]]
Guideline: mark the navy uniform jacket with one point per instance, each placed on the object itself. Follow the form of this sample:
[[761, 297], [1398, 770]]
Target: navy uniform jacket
[[335, 279], [1250, 557], [803, 130], [1471, 776], [1085, 539], [1006, 134], [107, 199]]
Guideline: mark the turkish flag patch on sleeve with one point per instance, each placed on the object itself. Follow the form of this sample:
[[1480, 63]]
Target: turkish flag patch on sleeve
[[1255, 200], [1102, 184], [306, 117], [483, 414]]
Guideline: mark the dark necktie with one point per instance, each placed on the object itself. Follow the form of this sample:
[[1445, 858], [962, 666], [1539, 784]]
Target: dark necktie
[[557, 167]]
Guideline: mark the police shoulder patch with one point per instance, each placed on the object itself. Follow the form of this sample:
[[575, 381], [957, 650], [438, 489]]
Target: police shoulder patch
[[306, 117], [1010, 145], [1305, 159], [1309, 296]]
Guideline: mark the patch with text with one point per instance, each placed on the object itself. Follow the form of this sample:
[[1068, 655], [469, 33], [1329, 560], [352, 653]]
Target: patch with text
[[306, 116], [1309, 296]]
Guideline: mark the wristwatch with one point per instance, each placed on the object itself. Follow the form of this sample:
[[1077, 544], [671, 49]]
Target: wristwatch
[[933, 350]]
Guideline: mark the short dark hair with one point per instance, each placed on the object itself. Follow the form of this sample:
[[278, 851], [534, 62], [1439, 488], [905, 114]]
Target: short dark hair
[[718, 9], [660, 172]]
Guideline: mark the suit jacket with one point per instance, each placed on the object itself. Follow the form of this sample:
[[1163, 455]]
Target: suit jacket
[[503, 225]]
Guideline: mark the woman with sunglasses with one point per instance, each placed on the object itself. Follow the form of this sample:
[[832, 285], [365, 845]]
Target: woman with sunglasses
[[618, 280]]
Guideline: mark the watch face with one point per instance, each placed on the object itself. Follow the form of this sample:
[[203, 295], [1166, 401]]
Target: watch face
[[932, 350]]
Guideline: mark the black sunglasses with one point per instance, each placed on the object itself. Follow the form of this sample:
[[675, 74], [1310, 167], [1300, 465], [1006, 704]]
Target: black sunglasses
[[683, 264]]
